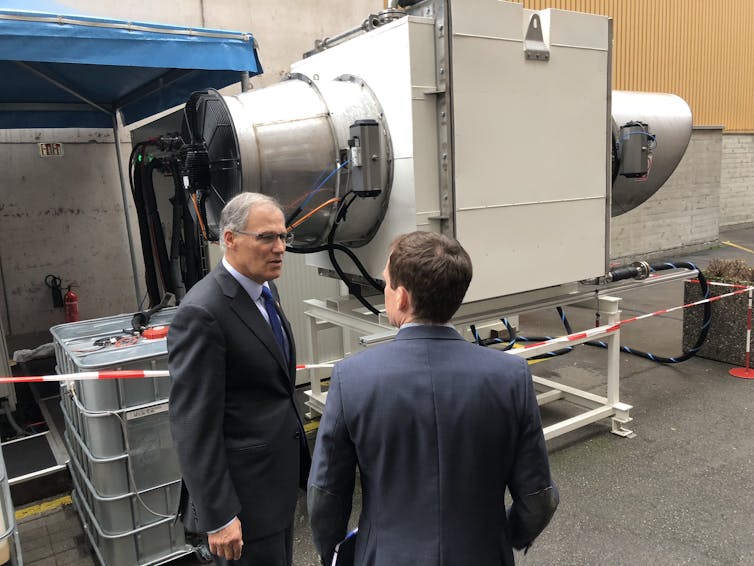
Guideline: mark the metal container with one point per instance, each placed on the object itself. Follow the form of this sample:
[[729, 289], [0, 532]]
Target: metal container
[[10, 546], [123, 513], [121, 455], [147, 450], [157, 543], [105, 344]]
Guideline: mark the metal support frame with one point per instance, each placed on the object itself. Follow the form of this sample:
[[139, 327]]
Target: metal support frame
[[347, 316], [598, 407]]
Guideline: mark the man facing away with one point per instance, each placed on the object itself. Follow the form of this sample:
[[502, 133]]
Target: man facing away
[[238, 435], [438, 428]]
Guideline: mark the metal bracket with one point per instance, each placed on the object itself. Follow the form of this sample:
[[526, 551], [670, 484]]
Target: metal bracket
[[535, 48], [620, 419]]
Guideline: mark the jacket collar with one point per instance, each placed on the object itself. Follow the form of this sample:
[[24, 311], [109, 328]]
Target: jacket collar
[[423, 331]]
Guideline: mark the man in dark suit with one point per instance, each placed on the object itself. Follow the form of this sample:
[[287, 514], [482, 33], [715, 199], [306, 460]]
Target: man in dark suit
[[239, 437], [438, 428]]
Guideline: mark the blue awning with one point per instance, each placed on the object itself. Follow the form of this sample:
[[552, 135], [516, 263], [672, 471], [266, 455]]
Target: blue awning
[[63, 71]]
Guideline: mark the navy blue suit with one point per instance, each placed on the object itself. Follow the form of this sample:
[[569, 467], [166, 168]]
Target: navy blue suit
[[438, 428]]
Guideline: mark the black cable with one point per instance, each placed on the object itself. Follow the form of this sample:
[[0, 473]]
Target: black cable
[[478, 340], [331, 247], [566, 324], [135, 178], [154, 224], [704, 330], [341, 248], [352, 287], [512, 336]]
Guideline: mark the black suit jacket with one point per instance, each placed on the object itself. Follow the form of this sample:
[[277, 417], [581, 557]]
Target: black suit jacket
[[438, 428], [239, 438]]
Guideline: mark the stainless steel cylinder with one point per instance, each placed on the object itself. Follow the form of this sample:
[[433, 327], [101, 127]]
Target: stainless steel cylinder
[[669, 120], [292, 140]]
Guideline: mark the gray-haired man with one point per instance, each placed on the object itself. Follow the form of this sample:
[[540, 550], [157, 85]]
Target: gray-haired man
[[231, 356]]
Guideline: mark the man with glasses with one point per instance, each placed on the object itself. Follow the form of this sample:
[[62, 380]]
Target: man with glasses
[[240, 441]]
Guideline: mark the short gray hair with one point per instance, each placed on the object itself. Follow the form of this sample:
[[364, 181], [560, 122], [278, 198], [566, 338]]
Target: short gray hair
[[235, 213]]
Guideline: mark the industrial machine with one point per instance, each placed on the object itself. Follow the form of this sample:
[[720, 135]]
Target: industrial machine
[[478, 119]]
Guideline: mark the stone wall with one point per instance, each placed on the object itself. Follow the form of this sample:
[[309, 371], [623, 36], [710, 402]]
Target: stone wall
[[684, 215], [737, 180]]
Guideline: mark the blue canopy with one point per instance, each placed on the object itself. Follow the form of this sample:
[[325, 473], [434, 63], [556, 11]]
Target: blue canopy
[[61, 71]]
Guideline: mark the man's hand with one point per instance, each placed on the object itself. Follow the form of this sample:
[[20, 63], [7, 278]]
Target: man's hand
[[228, 542]]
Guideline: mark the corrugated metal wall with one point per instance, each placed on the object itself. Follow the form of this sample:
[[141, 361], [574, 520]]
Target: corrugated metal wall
[[701, 50]]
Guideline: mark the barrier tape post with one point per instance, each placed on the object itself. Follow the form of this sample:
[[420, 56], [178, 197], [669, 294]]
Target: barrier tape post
[[746, 372]]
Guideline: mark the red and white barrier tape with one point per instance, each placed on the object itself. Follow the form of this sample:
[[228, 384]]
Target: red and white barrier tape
[[114, 374], [613, 327], [87, 375], [577, 336]]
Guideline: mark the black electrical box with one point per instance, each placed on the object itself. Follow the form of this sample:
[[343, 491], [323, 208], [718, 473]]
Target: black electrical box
[[636, 144], [366, 158]]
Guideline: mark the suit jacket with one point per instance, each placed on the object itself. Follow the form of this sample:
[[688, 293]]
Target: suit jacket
[[438, 428], [238, 435]]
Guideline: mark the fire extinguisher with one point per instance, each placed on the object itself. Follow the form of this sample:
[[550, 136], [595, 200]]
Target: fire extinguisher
[[71, 303]]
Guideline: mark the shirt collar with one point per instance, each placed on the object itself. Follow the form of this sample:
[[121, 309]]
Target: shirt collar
[[410, 324], [253, 288]]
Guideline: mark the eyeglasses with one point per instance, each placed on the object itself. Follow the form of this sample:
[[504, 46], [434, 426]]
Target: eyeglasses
[[269, 237]]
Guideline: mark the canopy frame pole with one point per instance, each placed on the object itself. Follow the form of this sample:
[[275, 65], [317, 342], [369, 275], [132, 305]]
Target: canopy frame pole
[[124, 195], [64, 87]]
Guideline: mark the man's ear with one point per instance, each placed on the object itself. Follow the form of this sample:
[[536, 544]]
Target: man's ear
[[402, 299], [228, 239]]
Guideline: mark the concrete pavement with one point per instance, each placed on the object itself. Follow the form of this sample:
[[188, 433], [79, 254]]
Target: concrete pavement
[[680, 492]]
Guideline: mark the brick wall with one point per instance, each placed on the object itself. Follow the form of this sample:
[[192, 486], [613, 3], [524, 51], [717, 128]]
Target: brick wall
[[684, 215], [737, 180]]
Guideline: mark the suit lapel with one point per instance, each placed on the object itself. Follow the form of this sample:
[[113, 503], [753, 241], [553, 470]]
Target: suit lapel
[[248, 312]]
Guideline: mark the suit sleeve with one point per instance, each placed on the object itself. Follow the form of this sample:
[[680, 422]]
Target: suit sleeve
[[535, 495], [196, 360], [332, 476]]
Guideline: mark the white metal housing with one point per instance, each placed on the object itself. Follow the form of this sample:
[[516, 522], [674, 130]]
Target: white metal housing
[[528, 153]]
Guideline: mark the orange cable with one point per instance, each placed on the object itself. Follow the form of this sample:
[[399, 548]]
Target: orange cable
[[199, 216], [311, 213]]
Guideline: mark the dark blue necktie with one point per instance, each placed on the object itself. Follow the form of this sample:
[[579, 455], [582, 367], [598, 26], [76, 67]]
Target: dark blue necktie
[[272, 314]]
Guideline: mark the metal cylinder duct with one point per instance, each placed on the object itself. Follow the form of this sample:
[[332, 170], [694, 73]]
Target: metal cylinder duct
[[291, 142], [669, 120]]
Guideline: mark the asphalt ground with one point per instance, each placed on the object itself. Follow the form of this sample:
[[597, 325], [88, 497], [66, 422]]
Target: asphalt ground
[[680, 491]]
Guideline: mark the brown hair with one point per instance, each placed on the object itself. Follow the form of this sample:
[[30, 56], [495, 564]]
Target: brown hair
[[434, 269]]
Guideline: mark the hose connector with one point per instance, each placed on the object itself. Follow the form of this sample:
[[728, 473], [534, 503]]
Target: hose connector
[[637, 270]]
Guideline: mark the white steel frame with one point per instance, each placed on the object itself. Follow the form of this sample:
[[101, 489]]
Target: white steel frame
[[323, 316], [598, 407], [345, 314]]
